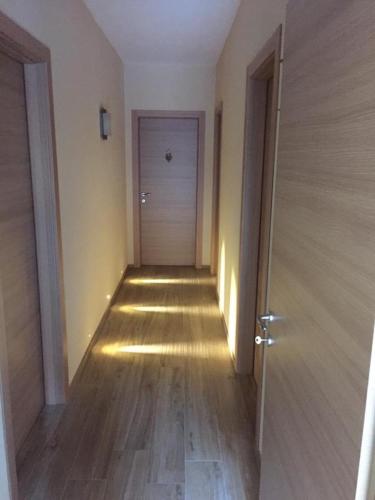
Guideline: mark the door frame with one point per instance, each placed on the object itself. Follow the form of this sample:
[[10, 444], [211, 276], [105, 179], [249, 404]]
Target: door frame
[[216, 174], [201, 117], [257, 76], [36, 58]]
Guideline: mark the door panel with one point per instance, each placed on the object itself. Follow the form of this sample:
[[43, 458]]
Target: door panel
[[323, 265], [168, 216], [18, 265]]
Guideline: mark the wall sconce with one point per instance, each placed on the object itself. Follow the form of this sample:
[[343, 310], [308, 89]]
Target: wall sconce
[[105, 124]]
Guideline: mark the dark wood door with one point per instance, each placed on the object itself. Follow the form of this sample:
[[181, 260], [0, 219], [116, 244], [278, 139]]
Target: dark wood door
[[323, 260], [18, 264]]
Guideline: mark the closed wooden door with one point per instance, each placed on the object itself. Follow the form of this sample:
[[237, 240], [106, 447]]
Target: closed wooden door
[[168, 153], [323, 260], [18, 265]]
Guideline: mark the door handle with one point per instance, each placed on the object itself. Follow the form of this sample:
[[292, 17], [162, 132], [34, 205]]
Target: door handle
[[263, 321], [144, 195], [266, 318]]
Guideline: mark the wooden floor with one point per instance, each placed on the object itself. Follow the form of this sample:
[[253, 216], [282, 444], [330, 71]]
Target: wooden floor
[[156, 411]]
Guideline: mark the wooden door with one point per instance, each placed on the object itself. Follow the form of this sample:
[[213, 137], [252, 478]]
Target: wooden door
[[264, 250], [323, 260], [264, 229], [168, 176], [18, 266]]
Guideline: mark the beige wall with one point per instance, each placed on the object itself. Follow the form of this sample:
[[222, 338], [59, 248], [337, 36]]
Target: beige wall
[[87, 73], [177, 88], [255, 22]]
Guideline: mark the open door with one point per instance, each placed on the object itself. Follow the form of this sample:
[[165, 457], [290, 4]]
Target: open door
[[323, 262]]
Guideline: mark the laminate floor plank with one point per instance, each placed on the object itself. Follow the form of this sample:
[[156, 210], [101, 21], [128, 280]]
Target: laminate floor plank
[[84, 490], [156, 411], [137, 483], [168, 449], [205, 481], [118, 474], [33, 459], [165, 492]]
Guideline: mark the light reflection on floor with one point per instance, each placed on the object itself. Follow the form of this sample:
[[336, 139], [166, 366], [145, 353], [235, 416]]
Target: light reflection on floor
[[185, 349], [155, 308], [170, 281], [149, 308]]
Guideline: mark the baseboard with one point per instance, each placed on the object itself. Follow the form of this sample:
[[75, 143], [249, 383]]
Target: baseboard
[[98, 329]]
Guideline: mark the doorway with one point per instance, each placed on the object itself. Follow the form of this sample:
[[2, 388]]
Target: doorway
[[18, 260], [33, 361], [168, 159], [261, 122]]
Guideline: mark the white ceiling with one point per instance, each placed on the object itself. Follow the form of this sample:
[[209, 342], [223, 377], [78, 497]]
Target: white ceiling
[[166, 31]]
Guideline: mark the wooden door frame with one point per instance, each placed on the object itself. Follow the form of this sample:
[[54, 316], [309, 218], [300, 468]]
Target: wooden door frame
[[216, 188], [265, 64], [24, 48], [201, 117]]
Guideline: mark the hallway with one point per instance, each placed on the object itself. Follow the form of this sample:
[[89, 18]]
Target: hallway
[[156, 411]]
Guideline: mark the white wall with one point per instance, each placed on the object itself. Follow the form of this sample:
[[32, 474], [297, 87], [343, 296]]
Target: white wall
[[255, 22], [177, 88], [5, 479], [87, 73]]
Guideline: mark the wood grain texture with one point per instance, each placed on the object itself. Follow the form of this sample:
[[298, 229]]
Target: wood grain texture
[[262, 68], [169, 241], [18, 262], [34, 57], [323, 278], [84, 490], [156, 398], [168, 217], [205, 480]]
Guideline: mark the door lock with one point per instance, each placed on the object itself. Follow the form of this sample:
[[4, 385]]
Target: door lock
[[268, 341]]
